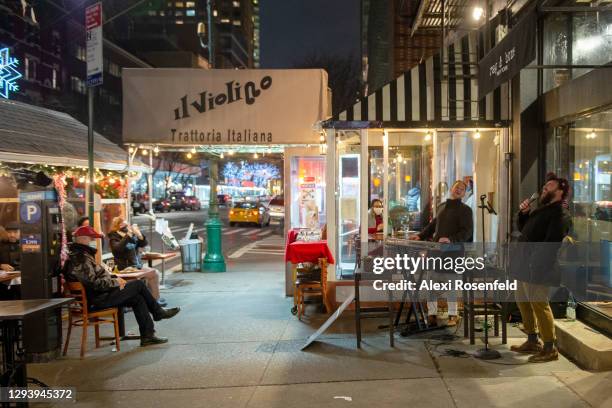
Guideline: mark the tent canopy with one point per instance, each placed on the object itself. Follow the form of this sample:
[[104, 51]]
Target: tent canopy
[[30, 134]]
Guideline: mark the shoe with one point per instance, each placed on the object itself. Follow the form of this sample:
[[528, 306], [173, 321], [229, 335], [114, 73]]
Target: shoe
[[151, 340], [527, 348], [166, 313], [162, 302], [432, 321], [452, 321], [544, 356]]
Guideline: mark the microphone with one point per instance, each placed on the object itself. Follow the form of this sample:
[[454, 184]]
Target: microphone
[[533, 197]]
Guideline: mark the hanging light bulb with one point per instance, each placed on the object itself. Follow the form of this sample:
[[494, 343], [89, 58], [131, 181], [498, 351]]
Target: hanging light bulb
[[156, 149], [269, 150], [193, 150], [145, 152], [221, 155], [131, 149], [477, 134], [255, 155], [477, 13], [81, 179], [230, 152], [189, 155], [399, 157], [428, 136]]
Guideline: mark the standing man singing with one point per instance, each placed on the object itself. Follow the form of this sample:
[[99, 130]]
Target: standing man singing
[[453, 223], [545, 226]]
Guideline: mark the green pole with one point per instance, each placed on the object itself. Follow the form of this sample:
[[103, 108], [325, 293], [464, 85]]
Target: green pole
[[213, 261]]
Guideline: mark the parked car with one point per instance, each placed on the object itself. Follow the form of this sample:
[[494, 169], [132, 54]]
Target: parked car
[[250, 213], [193, 203], [140, 203], [277, 209], [162, 205], [224, 199], [177, 201]]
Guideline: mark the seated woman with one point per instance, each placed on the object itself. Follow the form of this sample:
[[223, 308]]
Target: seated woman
[[375, 219], [125, 240]]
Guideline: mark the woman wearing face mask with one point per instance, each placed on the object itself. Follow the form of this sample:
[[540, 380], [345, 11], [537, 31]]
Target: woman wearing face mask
[[375, 219], [125, 240]]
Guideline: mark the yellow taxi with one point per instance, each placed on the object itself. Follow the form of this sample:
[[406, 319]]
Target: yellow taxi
[[250, 213]]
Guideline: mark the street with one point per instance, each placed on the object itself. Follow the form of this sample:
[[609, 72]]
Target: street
[[238, 242]]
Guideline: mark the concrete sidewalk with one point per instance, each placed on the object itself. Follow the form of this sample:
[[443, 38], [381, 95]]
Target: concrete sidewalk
[[236, 344]]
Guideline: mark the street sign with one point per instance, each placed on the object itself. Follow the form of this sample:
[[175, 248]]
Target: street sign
[[30, 212], [93, 25]]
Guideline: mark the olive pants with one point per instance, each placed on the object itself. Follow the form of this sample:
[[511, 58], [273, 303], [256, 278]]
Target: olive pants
[[532, 301]]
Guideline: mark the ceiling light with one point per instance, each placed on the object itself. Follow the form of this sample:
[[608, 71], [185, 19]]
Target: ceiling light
[[477, 13]]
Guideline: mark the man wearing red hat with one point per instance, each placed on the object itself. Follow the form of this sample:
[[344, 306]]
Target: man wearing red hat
[[104, 290]]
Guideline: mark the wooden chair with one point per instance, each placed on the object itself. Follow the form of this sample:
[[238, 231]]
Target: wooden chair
[[80, 315], [303, 288]]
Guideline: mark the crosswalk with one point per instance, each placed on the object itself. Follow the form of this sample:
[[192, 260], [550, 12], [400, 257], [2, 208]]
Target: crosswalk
[[271, 246], [252, 232]]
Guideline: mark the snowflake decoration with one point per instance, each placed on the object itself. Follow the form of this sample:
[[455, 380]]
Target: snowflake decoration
[[8, 73]]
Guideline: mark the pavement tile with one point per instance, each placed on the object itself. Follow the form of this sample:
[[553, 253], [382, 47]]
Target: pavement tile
[[161, 367], [526, 391], [595, 388], [340, 360], [414, 393], [229, 397]]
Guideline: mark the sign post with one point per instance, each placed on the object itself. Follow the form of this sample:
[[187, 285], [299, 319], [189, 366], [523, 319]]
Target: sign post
[[93, 25]]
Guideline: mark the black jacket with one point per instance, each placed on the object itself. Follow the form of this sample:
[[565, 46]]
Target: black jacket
[[96, 279], [454, 221], [9, 254], [125, 249], [536, 254]]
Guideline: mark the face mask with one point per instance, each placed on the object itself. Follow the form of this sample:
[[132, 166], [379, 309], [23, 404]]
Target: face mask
[[378, 210], [93, 244]]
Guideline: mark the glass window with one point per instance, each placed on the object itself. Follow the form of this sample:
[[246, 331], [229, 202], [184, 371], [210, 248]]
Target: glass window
[[582, 152], [245, 205], [308, 192], [190, 13]]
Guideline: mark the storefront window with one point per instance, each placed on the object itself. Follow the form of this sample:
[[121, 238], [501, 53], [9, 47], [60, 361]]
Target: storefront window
[[582, 152], [575, 39], [308, 192], [348, 205]]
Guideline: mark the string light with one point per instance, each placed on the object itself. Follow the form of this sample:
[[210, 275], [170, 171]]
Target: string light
[[189, 155]]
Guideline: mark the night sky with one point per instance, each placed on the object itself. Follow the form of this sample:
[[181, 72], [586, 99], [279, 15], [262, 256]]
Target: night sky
[[291, 30]]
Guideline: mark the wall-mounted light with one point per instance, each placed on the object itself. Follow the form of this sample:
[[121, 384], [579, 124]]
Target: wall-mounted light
[[428, 136], [477, 13], [477, 134]]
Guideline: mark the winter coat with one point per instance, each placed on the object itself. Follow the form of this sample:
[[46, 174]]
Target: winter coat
[[125, 249], [453, 221]]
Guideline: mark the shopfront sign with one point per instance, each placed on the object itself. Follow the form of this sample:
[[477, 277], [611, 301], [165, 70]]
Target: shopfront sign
[[506, 59], [223, 107], [93, 40]]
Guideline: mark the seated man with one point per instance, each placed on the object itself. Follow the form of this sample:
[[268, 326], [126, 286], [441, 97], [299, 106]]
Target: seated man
[[10, 260], [104, 290], [125, 241]]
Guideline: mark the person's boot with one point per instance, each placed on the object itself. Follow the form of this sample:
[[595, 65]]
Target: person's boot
[[528, 347], [166, 313], [549, 353], [151, 340]]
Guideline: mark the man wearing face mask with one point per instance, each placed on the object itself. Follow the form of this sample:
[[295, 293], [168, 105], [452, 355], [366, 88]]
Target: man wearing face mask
[[375, 219], [105, 291]]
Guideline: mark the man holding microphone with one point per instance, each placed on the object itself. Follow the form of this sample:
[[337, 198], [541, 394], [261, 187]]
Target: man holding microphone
[[536, 266]]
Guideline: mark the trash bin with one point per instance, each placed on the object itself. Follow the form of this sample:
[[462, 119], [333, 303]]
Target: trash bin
[[191, 254]]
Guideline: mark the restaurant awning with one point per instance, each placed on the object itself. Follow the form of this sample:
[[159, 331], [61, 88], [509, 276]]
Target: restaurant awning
[[30, 134], [442, 91]]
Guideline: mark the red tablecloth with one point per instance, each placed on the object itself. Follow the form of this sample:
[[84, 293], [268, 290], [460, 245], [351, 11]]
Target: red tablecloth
[[300, 251]]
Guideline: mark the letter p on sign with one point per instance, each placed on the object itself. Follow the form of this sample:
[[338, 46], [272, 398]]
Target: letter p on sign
[[30, 213]]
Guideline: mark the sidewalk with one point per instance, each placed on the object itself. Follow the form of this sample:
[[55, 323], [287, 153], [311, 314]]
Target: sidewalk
[[236, 344]]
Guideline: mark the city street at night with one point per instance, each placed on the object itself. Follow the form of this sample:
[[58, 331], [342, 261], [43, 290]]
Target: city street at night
[[306, 203]]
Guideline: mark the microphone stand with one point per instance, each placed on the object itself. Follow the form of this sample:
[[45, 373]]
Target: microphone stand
[[486, 353]]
